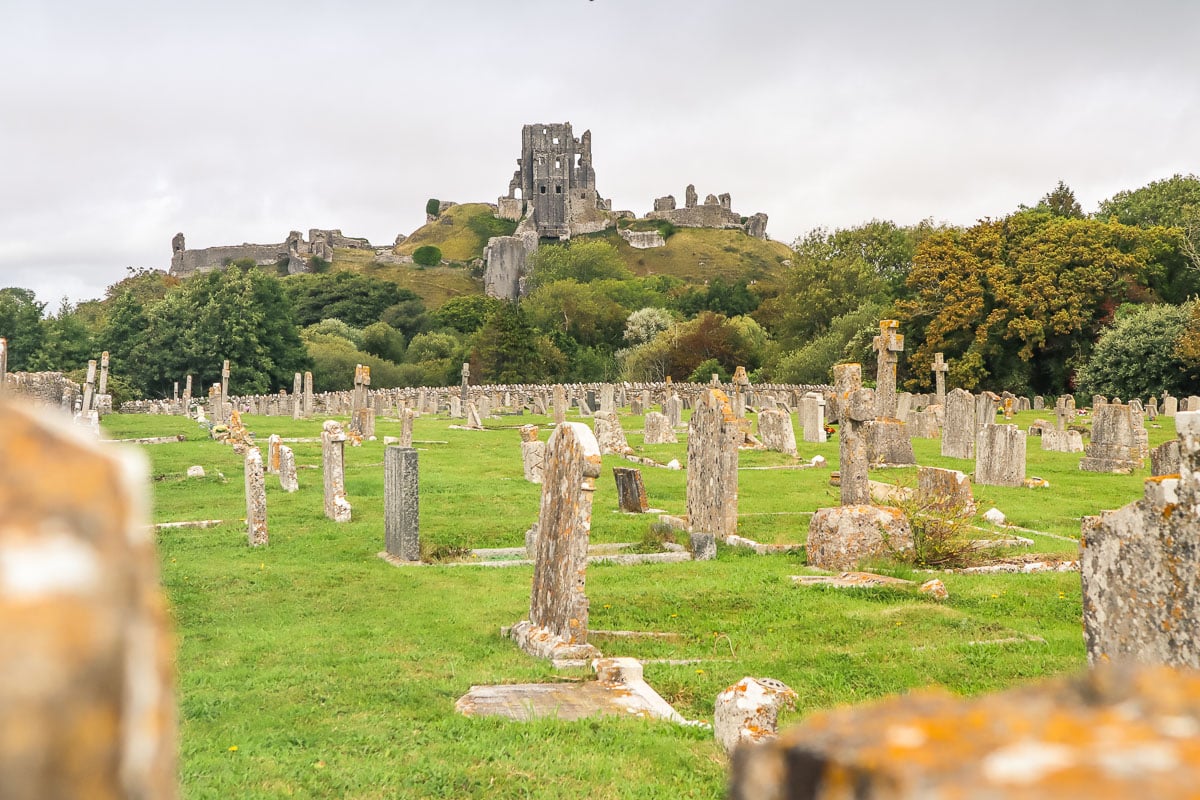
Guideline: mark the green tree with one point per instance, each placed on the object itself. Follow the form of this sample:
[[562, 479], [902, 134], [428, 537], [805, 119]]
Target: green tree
[[1060, 202], [506, 349], [355, 299], [21, 325], [580, 310], [68, 342], [644, 324], [813, 363], [384, 341], [1173, 204], [1136, 356], [581, 260], [465, 313]]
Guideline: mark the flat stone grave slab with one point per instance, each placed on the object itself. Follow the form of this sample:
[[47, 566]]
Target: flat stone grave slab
[[620, 690], [851, 580]]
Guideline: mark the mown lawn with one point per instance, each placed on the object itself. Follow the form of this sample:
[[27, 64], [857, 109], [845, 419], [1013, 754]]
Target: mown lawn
[[311, 668]]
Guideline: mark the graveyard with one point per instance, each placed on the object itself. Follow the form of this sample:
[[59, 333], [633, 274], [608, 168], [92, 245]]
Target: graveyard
[[312, 667]]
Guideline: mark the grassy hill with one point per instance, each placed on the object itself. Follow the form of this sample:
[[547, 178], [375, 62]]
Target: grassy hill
[[434, 285], [694, 255], [461, 232]]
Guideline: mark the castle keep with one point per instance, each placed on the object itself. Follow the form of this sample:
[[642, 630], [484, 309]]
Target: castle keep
[[556, 183]]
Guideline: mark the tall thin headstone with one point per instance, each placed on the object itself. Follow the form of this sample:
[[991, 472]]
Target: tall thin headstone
[[256, 499], [3, 363], [89, 387], [888, 344], [297, 396], [224, 398], [712, 459], [958, 434], [103, 389], [407, 417], [855, 407], [1000, 456], [287, 470], [333, 466], [558, 609], [308, 394], [812, 417], [940, 368], [401, 503], [560, 404], [466, 376]]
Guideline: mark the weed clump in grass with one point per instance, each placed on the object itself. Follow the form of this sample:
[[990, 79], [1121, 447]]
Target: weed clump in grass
[[941, 536], [654, 539], [441, 553]]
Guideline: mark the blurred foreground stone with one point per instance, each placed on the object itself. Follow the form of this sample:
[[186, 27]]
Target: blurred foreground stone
[[1111, 734], [86, 678]]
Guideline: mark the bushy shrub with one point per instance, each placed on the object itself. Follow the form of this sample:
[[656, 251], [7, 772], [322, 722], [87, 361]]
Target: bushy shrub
[[433, 206], [704, 372], [427, 256]]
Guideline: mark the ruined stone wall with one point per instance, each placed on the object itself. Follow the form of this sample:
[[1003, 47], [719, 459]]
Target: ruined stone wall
[[190, 262], [51, 388]]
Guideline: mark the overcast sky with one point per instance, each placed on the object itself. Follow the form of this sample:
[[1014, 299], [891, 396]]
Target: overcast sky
[[125, 121]]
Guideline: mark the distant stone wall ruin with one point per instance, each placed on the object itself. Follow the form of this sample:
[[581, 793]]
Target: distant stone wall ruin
[[715, 212], [294, 252]]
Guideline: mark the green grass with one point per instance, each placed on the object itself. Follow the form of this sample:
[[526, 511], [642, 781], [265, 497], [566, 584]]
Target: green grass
[[697, 255], [434, 285], [335, 674]]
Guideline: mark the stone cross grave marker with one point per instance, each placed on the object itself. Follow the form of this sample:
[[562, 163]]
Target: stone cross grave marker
[[940, 368], [256, 499], [855, 407], [888, 344], [333, 467]]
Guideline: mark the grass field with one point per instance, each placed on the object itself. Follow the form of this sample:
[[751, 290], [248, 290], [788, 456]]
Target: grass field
[[311, 668]]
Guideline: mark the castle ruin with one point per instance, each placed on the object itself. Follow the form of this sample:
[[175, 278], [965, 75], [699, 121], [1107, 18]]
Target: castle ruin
[[294, 251]]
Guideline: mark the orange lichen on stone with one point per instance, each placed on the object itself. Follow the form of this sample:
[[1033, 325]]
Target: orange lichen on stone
[[1111, 734]]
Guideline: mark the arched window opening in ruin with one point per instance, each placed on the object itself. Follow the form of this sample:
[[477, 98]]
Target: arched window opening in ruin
[[543, 189], [558, 190]]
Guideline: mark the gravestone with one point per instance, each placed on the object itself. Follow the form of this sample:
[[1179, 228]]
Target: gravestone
[[888, 344], [673, 410], [944, 489], [1000, 456], [840, 538], [904, 405], [776, 432], [657, 429], [308, 395], [256, 498], [1164, 459], [748, 711], [812, 417], [473, 420], [466, 376], [533, 453], [703, 546], [888, 442], [273, 445], [333, 467], [560, 405], [940, 368], [558, 609], [607, 404], [1062, 441], [407, 418], [712, 459], [1039, 403], [958, 434], [1170, 406], [297, 396], [855, 407], [87, 689], [3, 364], [1114, 447], [986, 405], [1064, 411], [631, 491], [401, 503], [1141, 576], [610, 435], [287, 470]]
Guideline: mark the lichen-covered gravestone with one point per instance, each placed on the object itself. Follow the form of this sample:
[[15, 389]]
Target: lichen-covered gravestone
[[333, 467], [401, 503], [776, 432], [558, 607], [533, 454], [631, 491], [1114, 446], [610, 435], [658, 429], [1000, 456], [86, 676], [712, 459], [1140, 567], [256, 499]]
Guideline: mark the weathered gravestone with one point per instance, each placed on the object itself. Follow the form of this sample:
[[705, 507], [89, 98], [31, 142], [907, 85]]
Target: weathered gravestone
[[86, 677], [1164, 459], [1114, 445], [1170, 406], [297, 396], [610, 435], [3, 364], [812, 417], [1141, 568], [287, 470], [1110, 734], [631, 491], [256, 499], [401, 504], [558, 608], [658, 429], [888, 344], [533, 454], [673, 410], [274, 442], [407, 418], [940, 368], [333, 466], [712, 459], [1062, 441], [945, 489], [1000, 456], [560, 405], [1064, 411], [776, 432], [958, 434], [855, 407]]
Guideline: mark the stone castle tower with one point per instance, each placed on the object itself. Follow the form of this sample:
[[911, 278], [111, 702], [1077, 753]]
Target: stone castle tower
[[557, 182]]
